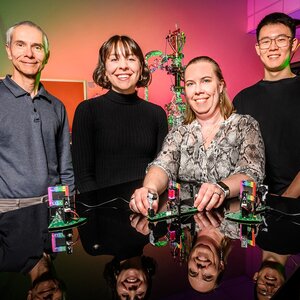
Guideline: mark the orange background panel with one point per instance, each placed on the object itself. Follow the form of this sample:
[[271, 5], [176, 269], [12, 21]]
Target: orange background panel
[[70, 92]]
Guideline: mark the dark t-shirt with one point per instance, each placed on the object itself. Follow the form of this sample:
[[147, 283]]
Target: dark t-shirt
[[276, 107], [280, 230]]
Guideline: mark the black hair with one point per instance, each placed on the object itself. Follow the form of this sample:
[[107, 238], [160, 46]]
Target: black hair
[[277, 18]]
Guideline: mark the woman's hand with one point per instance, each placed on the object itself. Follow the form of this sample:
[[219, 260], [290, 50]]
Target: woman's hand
[[208, 218], [209, 196], [142, 199], [140, 223]]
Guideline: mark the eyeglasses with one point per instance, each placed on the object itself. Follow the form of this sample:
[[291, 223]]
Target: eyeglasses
[[281, 41], [262, 289]]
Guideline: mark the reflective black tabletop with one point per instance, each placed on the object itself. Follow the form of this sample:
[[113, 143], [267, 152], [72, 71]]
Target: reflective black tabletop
[[115, 254]]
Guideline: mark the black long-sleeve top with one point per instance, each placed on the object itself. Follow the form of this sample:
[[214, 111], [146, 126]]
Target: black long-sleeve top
[[114, 138]]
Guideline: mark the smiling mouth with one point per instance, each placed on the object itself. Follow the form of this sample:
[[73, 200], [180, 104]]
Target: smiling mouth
[[271, 278], [202, 258], [132, 280], [123, 76], [274, 56], [28, 63]]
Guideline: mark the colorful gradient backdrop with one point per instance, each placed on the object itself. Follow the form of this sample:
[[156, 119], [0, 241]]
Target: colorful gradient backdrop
[[77, 28]]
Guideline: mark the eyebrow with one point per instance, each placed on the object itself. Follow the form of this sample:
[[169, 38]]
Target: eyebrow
[[18, 41], [204, 77], [37, 44], [275, 36], [34, 44]]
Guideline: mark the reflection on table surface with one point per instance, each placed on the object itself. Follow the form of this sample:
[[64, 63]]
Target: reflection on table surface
[[119, 255]]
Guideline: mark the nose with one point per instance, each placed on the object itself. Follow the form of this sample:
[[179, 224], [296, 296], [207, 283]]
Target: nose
[[202, 265], [132, 287], [270, 284], [273, 44], [28, 51], [123, 64], [198, 88]]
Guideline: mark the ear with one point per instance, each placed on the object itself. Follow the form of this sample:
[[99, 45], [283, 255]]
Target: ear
[[255, 276], [257, 49], [8, 51], [295, 44], [221, 86], [29, 295], [222, 266]]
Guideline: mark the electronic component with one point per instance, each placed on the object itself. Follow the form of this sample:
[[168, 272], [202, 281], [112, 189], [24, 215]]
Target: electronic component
[[174, 212], [175, 208], [247, 235], [62, 219], [249, 216], [61, 241], [151, 198]]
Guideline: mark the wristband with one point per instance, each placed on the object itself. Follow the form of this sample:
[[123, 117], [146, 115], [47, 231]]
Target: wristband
[[224, 188]]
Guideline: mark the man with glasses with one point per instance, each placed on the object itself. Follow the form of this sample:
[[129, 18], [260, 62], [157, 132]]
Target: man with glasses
[[270, 276], [275, 103]]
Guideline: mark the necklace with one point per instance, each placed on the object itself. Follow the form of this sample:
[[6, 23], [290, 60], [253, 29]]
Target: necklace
[[210, 132]]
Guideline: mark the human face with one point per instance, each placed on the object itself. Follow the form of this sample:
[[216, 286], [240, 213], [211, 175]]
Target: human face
[[275, 59], [27, 52], [122, 72], [269, 280], [202, 89], [132, 284], [204, 265]]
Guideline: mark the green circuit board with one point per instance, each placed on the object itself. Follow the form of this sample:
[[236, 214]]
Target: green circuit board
[[184, 210]]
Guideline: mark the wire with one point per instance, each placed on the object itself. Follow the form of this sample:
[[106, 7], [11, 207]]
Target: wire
[[74, 213], [282, 212], [101, 204], [296, 223]]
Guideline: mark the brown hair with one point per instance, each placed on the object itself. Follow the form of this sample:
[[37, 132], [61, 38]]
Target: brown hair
[[226, 106], [130, 47]]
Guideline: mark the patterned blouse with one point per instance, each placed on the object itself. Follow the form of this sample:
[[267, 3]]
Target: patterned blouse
[[236, 148]]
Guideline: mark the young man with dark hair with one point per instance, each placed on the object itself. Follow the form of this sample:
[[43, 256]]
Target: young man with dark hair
[[274, 102]]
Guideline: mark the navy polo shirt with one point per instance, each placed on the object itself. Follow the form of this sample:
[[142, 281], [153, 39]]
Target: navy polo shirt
[[34, 142]]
